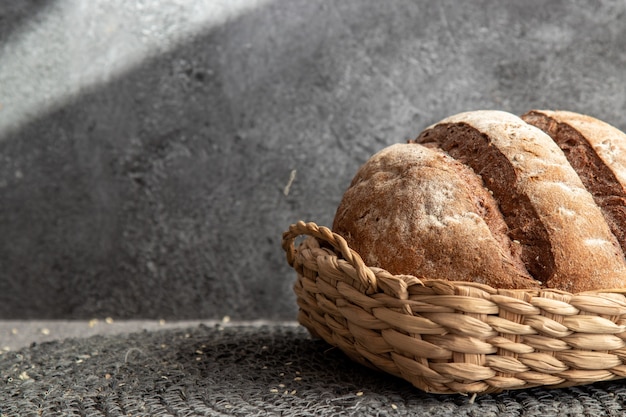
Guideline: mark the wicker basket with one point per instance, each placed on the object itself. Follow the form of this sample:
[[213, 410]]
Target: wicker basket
[[454, 337]]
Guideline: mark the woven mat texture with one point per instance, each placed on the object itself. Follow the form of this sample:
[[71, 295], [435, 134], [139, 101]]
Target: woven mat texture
[[251, 370]]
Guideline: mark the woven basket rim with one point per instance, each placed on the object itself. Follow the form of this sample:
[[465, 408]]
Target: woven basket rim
[[368, 274]]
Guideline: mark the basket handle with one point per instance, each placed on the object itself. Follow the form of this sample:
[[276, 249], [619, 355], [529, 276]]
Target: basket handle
[[365, 274]]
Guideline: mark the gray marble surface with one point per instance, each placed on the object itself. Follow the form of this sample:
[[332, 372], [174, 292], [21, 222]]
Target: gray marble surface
[[153, 152]]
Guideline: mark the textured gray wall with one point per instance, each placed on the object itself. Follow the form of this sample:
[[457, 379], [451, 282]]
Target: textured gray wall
[[145, 146]]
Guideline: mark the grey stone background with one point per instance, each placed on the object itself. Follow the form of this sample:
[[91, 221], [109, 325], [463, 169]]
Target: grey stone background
[[146, 146]]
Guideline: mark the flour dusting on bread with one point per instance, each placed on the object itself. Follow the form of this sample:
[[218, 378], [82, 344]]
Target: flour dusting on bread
[[487, 196]]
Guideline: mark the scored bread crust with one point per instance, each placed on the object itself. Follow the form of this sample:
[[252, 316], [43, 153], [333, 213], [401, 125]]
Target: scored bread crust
[[565, 240], [414, 210], [597, 152]]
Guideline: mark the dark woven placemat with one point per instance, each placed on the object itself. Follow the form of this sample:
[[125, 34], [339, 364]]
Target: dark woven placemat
[[248, 371]]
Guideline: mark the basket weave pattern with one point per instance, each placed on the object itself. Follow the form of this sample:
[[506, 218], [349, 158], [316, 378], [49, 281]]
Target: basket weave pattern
[[453, 337]]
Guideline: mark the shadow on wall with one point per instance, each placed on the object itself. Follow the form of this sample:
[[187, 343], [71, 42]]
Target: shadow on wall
[[16, 15], [163, 193], [145, 198]]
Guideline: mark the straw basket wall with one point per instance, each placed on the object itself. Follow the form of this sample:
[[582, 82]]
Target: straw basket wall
[[453, 337]]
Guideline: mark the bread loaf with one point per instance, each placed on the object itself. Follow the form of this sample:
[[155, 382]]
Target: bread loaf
[[415, 210], [597, 152], [481, 196]]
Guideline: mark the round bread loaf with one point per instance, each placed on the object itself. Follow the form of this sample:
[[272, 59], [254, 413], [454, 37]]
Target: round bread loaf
[[481, 196], [414, 210]]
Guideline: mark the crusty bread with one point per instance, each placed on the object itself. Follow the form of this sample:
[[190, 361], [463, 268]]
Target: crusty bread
[[597, 152], [565, 240], [414, 210], [489, 197]]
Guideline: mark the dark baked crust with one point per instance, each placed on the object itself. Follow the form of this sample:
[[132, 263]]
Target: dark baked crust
[[413, 210], [474, 148], [597, 174], [565, 240]]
